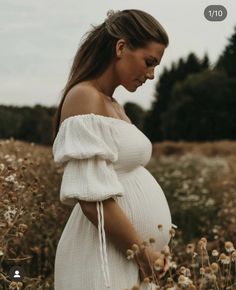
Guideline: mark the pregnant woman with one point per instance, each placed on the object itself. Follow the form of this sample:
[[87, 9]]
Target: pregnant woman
[[116, 201]]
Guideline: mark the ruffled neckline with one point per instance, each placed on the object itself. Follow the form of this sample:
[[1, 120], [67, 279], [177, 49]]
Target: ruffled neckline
[[82, 116]]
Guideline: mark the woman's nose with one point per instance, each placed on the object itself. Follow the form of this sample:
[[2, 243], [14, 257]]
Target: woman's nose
[[150, 74]]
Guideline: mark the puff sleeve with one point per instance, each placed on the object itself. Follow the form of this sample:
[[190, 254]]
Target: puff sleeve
[[86, 146]]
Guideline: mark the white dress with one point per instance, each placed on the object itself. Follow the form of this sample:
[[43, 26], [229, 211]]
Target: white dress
[[105, 157]]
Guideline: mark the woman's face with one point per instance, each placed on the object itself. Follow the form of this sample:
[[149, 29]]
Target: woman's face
[[133, 67]]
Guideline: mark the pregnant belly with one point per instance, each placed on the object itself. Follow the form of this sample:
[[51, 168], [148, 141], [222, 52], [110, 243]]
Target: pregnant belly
[[145, 204]]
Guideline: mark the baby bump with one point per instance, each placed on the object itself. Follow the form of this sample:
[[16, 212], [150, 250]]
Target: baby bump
[[145, 204]]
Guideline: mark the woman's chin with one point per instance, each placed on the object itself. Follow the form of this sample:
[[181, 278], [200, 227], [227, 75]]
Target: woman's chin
[[131, 87]]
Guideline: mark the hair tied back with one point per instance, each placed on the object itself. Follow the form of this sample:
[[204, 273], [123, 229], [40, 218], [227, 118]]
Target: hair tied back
[[111, 16]]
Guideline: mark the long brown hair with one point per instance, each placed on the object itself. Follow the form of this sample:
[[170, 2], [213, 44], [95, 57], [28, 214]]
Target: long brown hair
[[98, 48]]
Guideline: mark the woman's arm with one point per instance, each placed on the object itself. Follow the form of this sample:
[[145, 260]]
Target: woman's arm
[[118, 227]]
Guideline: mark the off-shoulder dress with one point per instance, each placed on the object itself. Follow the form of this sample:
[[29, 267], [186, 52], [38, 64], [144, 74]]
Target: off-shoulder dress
[[103, 158]]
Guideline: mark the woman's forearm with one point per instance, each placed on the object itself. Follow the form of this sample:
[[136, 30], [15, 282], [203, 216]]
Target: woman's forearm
[[118, 227]]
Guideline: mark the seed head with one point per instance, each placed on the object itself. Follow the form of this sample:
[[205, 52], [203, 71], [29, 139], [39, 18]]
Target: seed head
[[166, 251], [172, 232], [159, 264], [215, 267], [215, 253], [160, 227], [202, 271], [233, 256], [146, 280], [130, 254], [190, 248], [152, 240], [229, 247], [135, 248]]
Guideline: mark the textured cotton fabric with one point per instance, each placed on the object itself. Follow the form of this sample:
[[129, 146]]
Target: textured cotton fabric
[[105, 157]]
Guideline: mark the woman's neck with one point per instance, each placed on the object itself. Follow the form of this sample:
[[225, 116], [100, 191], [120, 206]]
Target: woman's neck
[[106, 83]]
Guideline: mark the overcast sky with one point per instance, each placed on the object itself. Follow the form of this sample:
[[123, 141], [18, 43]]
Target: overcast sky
[[40, 38]]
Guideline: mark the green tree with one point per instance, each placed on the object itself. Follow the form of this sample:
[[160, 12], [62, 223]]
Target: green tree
[[136, 114], [153, 126], [202, 108], [227, 60]]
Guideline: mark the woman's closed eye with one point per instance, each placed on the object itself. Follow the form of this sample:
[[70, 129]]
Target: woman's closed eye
[[150, 63]]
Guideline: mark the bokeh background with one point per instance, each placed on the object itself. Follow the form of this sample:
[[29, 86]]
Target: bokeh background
[[188, 112]]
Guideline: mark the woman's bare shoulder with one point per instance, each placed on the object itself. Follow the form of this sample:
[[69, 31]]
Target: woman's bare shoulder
[[82, 99]]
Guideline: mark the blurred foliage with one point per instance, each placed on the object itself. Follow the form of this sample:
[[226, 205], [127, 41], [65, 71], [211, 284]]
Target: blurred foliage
[[33, 124], [227, 60], [194, 100], [200, 191], [203, 107], [135, 113]]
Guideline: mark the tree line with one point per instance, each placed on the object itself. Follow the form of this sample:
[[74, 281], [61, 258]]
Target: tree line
[[194, 101]]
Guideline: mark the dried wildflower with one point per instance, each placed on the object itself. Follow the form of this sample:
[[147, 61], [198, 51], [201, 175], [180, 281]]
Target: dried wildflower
[[190, 249], [233, 256], [130, 254], [14, 199], [182, 270], [184, 281], [166, 251], [202, 271], [6, 201], [152, 240], [159, 264], [144, 245], [13, 286], [36, 250], [135, 248], [195, 254], [229, 247], [188, 272], [172, 232], [19, 234], [202, 245], [215, 267], [224, 259], [160, 227], [170, 280], [207, 270], [213, 277], [215, 253], [11, 178], [146, 280], [173, 265], [204, 240], [10, 214], [23, 227], [2, 167]]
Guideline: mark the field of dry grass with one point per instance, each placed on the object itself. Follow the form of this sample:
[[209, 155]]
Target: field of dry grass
[[200, 185]]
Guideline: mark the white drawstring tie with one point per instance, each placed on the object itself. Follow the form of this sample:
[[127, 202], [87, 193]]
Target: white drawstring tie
[[102, 244]]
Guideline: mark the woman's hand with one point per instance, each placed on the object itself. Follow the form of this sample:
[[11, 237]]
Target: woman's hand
[[151, 264]]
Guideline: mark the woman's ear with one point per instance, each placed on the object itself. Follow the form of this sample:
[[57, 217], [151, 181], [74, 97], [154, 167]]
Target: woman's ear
[[120, 47]]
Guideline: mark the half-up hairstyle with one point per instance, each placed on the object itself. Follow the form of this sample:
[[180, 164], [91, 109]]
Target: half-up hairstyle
[[97, 50]]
